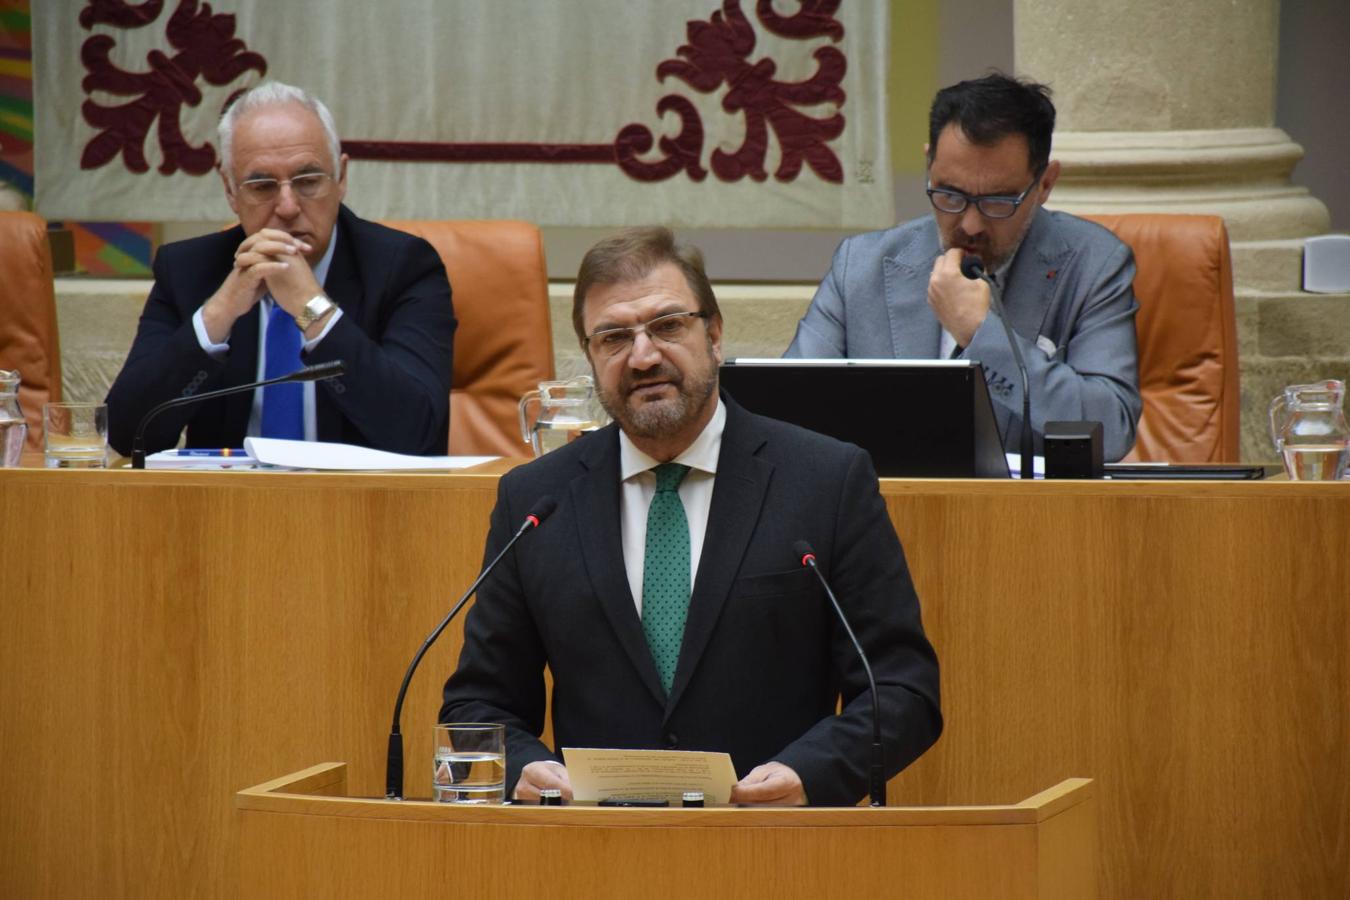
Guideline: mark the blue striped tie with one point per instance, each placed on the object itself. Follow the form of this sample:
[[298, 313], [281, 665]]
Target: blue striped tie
[[283, 412]]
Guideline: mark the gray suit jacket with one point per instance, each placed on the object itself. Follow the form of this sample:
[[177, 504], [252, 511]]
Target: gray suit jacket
[[1068, 295]]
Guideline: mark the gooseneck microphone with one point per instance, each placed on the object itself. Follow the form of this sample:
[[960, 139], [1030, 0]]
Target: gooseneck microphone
[[973, 268], [317, 372], [876, 780], [393, 763]]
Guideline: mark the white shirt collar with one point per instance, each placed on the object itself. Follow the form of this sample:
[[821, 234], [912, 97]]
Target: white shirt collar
[[701, 454]]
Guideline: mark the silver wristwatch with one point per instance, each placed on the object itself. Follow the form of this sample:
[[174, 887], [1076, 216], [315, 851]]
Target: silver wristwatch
[[318, 307]]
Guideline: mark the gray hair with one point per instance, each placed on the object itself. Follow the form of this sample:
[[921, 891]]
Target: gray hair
[[272, 93]]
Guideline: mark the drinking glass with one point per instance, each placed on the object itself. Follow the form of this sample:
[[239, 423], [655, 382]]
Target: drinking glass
[[470, 763], [76, 435]]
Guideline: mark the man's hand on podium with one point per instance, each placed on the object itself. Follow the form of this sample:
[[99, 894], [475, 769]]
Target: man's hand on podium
[[772, 784], [538, 776]]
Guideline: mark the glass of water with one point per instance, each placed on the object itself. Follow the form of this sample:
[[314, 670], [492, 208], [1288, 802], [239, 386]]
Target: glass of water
[[470, 763], [76, 435]]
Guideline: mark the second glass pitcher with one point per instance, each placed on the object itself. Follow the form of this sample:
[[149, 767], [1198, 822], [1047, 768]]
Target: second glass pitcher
[[13, 427], [1308, 427], [567, 410]]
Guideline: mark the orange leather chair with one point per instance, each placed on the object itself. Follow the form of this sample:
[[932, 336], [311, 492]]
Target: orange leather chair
[[1187, 328], [504, 342], [28, 337]]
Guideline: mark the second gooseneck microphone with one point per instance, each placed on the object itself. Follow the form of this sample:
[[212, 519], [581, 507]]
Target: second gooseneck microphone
[[973, 268], [876, 781], [316, 372]]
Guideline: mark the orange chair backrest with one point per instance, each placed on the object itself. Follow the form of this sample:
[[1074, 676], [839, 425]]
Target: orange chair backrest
[[1187, 329], [504, 342], [29, 340]]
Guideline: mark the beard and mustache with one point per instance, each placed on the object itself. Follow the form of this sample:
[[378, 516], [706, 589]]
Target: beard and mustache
[[982, 245], [665, 416]]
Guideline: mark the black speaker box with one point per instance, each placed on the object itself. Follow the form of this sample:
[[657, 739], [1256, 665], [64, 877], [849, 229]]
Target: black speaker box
[[1073, 449]]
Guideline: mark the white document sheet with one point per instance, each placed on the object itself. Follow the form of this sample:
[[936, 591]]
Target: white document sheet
[[346, 457], [1015, 465], [599, 774]]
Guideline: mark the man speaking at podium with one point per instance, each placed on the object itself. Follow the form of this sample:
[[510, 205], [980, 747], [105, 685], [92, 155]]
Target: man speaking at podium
[[301, 281], [665, 594]]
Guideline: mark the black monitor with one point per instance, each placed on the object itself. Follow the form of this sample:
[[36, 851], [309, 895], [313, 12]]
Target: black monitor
[[917, 418]]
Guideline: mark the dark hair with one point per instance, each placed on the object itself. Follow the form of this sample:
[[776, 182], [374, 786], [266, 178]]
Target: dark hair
[[989, 109], [631, 255]]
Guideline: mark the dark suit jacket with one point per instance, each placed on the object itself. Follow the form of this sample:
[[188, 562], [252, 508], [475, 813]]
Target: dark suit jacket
[[396, 336], [764, 658]]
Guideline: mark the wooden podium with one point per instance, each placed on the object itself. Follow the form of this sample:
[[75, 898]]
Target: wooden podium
[[302, 836]]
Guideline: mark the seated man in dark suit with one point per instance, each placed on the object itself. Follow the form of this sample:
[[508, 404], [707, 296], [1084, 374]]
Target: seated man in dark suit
[[300, 281], [665, 595]]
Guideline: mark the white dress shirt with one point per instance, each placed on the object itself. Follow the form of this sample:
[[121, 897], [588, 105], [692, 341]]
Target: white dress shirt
[[218, 351], [639, 486]]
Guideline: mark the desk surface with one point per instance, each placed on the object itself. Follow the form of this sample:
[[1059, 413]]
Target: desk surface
[[172, 637]]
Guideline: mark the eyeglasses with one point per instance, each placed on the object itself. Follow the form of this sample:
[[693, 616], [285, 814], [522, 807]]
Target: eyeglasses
[[993, 206], [309, 186], [672, 328]]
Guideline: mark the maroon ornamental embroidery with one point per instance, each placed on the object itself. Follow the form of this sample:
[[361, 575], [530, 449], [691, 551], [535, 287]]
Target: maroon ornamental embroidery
[[207, 48], [120, 14], [682, 152], [717, 53]]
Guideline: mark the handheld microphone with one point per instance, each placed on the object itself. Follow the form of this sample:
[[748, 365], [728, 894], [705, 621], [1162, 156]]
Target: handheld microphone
[[317, 372], [876, 776], [973, 268], [393, 763]]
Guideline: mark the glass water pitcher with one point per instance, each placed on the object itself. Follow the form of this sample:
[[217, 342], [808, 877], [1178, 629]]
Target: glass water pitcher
[[567, 410], [13, 426], [1307, 424]]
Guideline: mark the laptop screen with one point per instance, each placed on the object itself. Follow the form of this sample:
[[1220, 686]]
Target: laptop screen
[[917, 418]]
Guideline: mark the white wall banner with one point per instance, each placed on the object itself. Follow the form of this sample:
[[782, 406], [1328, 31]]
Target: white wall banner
[[751, 113]]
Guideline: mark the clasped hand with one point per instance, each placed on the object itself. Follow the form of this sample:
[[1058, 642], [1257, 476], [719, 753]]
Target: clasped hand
[[269, 260]]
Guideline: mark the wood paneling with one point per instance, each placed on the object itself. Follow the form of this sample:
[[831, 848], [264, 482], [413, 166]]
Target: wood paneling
[[1187, 646], [168, 638], [296, 846]]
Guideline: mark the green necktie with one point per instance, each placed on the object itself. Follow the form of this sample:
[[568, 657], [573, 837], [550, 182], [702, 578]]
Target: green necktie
[[665, 572]]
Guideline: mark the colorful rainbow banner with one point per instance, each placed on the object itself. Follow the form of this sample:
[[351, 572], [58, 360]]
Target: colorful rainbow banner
[[16, 96], [101, 248]]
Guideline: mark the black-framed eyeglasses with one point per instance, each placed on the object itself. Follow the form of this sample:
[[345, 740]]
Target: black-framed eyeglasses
[[671, 328], [307, 186], [993, 206]]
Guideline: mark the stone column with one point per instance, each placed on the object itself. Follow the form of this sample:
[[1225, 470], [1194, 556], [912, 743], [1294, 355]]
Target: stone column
[[1167, 106]]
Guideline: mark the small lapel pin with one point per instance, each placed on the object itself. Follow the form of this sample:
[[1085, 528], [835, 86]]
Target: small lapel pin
[[1050, 276]]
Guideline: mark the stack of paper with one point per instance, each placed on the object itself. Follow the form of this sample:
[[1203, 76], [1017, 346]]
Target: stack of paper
[[346, 457]]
